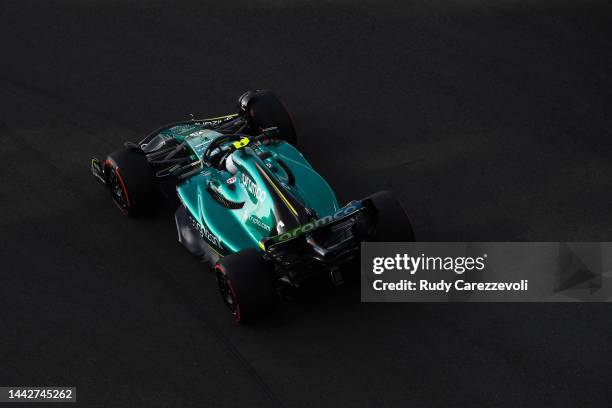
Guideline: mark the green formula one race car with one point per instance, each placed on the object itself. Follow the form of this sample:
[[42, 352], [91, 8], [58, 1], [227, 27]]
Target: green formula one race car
[[249, 202]]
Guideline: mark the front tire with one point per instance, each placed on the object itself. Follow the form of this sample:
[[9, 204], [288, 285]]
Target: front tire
[[246, 283], [131, 181], [266, 110]]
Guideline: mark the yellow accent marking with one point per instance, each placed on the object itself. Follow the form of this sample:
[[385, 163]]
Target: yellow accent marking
[[262, 246], [233, 115], [241, 143], [214, 250], [287, 203]]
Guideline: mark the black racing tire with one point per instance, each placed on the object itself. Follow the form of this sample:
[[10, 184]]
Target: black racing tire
[[131, 181], [266, 110], [389, 220], [246, 283]]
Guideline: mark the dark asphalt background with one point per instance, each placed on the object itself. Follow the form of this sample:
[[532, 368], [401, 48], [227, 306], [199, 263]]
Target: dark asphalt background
[[489, 119]]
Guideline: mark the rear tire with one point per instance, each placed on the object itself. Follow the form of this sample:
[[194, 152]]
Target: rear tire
[[266, 110], [390, 222], [131, 181], [246, 283]]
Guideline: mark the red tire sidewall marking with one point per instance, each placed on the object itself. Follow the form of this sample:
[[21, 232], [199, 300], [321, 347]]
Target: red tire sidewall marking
[[115, 168], [229, 283], [127, 197]]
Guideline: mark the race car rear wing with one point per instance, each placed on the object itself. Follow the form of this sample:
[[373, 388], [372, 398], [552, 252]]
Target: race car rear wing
[[331, 226]]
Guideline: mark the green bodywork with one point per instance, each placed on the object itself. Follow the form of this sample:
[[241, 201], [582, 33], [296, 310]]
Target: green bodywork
[[229, 230]]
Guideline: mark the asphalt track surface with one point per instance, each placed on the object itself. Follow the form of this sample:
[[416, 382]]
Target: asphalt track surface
[[489, 119]]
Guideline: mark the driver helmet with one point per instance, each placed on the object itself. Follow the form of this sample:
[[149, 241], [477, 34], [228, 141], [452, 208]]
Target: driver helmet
[[230, 165]]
